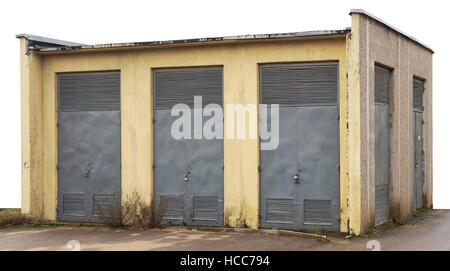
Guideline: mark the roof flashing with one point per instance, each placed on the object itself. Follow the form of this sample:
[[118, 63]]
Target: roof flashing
[[71, 46], [43, 42]]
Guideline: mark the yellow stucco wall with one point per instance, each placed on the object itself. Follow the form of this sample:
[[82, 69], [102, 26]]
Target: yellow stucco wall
[[31, 134], [241, 157], [354, 128]]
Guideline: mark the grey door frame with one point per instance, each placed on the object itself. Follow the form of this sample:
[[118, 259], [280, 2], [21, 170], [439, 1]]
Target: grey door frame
[[338, 132], [153, 97], [57, 112]]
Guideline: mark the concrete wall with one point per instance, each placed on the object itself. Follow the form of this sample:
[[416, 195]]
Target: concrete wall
[[240, 61], [372, 42]]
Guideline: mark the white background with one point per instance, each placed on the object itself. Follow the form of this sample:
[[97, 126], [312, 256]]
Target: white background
[[92, 22]]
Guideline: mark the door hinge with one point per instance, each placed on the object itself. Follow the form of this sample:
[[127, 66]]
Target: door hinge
[[153, 120], [259, 168], [57, 167], [338, 116], [338, 167], [57, 124], [153, 166]]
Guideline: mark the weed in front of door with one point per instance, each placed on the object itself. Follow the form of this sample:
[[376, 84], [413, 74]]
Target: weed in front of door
[[133, 213]]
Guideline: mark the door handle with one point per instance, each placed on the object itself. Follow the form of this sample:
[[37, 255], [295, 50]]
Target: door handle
[[88, 170], [188, 173], [296, 177], [186, 176]]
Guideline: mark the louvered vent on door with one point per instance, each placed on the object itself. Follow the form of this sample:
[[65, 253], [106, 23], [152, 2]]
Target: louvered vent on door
[[89, 91], [174, 206], [206, 208], [418, 89], [300, 84], [280, 210], [174, 86], [382, 85], [317, 212], [381, 204], [106, 204], [74, 204]]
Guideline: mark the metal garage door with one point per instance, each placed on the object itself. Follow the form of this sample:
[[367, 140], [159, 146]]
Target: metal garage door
[[88, 144], [299, 180], [418, 89], [382, 150], [188, 172]]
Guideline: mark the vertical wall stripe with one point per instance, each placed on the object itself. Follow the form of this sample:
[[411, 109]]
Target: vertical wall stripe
[[398, 88], [368, 114], [409, 128]]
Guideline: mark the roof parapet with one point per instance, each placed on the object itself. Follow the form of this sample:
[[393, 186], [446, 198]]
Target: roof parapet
[[373, 17]]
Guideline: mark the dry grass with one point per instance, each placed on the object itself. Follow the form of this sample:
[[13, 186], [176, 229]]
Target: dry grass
[[13, 217], [134, 212]]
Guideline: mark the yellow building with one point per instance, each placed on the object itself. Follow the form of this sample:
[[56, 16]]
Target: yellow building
[[353, 148]]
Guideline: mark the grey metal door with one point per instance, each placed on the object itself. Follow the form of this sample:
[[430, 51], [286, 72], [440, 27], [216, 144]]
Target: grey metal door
[[188, 172], [299, 180], [89, 169], [382, 150], [418, 89]]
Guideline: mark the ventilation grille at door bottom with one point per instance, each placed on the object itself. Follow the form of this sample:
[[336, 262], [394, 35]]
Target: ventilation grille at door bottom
[[174, 206], [106, 205], [317, 212], [280, 211], [381, 204], [206, 208], [73, 204]]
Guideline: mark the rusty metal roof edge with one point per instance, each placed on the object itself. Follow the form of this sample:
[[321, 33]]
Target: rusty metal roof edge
[[205, 40], [48, 40], [362, 11]]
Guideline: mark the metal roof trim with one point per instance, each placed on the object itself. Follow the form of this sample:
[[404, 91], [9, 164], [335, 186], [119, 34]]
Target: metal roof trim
[[189, 41], [373, 17], [48, 40]]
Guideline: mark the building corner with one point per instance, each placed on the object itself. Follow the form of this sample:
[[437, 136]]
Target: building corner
[[31, 132]]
